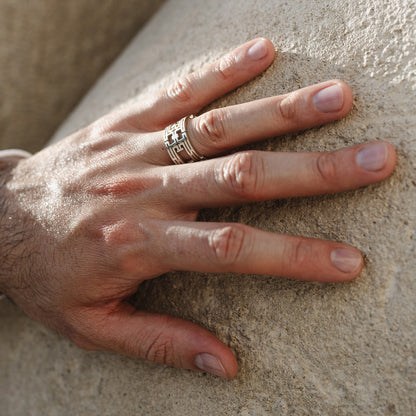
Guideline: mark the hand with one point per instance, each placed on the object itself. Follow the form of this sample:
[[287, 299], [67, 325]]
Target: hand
[[87, 220]]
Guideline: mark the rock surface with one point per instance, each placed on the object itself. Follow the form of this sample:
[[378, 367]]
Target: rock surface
[[51, 52], [303, 349]]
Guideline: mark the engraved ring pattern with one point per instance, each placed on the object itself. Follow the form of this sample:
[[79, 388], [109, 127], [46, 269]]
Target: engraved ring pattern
[[178, 145]]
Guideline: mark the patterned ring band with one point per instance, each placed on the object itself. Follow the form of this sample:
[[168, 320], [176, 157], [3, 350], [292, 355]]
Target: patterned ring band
[[178, 145]]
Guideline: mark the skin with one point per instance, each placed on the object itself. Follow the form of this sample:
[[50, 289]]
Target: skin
[[85, 221]]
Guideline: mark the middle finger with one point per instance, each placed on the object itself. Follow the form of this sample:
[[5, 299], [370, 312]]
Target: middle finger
[[223, 129]]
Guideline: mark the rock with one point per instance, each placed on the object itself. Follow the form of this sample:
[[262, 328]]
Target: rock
[[51, 52], [303, 348]]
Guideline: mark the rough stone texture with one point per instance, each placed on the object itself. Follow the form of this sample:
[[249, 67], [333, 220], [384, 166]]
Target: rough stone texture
[[51, 52], [304, 349]]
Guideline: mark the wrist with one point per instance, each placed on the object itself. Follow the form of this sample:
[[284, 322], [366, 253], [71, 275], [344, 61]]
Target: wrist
[[11, 232]]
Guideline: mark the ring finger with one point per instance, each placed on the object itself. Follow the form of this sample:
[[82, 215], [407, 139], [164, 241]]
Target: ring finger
[[237, 248]]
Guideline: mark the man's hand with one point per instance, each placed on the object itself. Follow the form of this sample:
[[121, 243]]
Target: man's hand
[[85, 221]]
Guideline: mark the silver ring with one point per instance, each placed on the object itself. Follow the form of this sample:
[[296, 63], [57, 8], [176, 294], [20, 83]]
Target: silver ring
[[178, 145]]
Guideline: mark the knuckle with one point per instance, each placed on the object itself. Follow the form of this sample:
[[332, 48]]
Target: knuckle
[[228, 243], [326, 167], [160, 349], [298, 253], [119, 186], [117, 244], [243, 173], [181, 90], [287, 108], [101, 127], [126, 244], [122, 232], [224, 68], [210, 128]]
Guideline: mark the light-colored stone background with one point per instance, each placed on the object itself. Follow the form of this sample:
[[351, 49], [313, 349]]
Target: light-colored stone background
[[304, 349], [51, 52]]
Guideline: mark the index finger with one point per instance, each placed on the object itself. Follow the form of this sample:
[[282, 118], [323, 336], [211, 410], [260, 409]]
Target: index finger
[[188, 95]]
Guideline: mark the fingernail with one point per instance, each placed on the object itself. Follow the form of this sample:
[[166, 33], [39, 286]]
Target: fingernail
[[373, 157], [210, 364], [329, 99], [346, 260], [257, 51]]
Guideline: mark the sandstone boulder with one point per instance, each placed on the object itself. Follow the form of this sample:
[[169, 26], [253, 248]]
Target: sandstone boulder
[[303, 348], [51, 52]]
